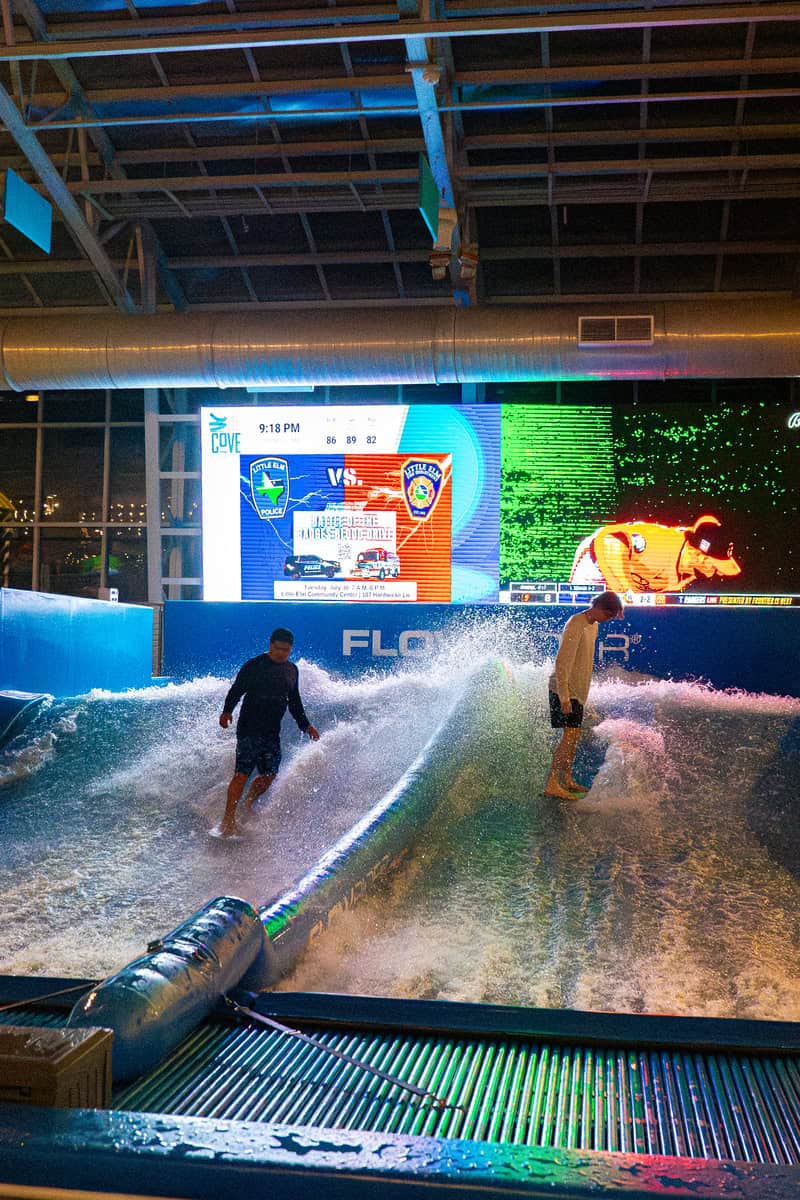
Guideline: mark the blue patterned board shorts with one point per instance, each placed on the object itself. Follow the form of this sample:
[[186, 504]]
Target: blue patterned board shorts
[[257, 753]]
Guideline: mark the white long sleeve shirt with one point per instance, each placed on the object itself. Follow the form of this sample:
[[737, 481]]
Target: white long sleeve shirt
[[575, 660]]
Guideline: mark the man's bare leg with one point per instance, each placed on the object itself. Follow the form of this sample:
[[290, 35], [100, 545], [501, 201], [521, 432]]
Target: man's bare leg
[[557, 784], [257, 788], [235, 788]]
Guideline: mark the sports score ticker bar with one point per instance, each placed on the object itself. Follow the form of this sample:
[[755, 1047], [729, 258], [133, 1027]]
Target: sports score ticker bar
[[582, 595]]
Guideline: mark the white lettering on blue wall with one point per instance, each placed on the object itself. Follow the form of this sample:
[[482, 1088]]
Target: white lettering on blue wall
[[621, 643], [409, 642]]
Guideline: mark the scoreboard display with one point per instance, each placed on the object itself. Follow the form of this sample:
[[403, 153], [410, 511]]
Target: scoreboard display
[[581, 597], [666, 504], [392, 503]]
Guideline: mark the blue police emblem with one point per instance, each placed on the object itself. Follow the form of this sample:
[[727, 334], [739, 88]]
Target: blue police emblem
[[269, 487], [422, 482]]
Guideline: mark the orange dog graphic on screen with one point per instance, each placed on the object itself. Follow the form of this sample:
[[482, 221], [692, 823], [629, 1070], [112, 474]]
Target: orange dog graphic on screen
[[641, 556]]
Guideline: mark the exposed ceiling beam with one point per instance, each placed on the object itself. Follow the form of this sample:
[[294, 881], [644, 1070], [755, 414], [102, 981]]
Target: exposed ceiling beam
[[415, 74], [445, 301], [412, 145], [605, 72], [193, 21], [256, 150], [366, 257], [31, 14], [633, 166], [481, 195], [62, 197], [243, 89], [204, 183], [602, 191], [262, 116], [313, 116], [425, 77], [611, 137], [583, 21], [506, 171]]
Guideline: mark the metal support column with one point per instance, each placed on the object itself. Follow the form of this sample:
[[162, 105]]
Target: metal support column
[[152, 470]]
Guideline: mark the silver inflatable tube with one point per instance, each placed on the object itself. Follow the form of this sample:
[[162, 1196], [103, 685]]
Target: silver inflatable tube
[[155, 1001]]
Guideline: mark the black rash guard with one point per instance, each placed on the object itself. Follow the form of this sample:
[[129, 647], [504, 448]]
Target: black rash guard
[[269, 688]]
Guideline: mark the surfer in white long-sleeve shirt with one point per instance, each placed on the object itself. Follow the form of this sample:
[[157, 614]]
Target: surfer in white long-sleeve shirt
[[569, 688]]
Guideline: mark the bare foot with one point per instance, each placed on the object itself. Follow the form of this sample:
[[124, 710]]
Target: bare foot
[[558, 792], [574, 786]]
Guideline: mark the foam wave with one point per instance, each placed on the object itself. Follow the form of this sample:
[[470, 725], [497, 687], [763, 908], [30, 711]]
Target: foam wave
[[672, 907], [121, 815], [201, 686], [636, 770], [650, 895], [28, 759], [692, 694]]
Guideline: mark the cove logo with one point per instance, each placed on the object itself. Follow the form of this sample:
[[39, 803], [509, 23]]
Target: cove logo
[[410, 641], [222, 442]]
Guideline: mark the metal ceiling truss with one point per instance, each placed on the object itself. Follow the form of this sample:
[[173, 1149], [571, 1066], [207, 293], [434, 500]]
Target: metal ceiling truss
[[591, 21], [143, 128]]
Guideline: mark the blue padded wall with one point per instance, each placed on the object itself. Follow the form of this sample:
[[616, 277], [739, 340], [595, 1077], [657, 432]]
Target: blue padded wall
[[747, 648], [66, 645]]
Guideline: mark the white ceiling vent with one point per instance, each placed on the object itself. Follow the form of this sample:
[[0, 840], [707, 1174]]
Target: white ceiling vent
[[615, 331]]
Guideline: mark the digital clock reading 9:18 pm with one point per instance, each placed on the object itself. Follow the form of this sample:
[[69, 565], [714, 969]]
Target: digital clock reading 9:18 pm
[[286, 427]]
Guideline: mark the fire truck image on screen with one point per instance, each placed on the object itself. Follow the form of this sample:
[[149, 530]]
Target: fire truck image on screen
[[346, 527], [377, 563]]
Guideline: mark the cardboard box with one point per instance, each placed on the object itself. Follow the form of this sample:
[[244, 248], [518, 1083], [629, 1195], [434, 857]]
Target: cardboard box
[[60, 1067]]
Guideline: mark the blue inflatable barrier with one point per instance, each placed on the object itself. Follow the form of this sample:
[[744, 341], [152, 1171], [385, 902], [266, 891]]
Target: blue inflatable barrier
[[156, 1001], [16, 710]]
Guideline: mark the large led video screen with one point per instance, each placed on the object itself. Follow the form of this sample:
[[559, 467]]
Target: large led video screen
[[394, 503], [666, 503]]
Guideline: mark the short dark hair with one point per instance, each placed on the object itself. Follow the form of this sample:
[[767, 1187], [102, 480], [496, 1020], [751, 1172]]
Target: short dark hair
[[609, 602], [282, 635]]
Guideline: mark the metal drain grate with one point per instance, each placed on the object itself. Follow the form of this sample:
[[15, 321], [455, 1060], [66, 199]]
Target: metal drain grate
[[701, 1105]]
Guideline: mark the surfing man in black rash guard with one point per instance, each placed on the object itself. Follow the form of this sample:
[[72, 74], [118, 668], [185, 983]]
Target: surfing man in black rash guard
[[269, 684]]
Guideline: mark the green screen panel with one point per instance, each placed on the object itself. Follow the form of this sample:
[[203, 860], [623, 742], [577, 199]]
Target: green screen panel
[[558, 484]]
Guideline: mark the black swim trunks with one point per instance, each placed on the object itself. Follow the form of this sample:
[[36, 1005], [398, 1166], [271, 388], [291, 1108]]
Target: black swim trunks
[[262, 754], [560, 720]]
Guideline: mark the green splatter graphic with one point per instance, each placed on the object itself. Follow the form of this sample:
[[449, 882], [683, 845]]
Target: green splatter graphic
[[557, 485]]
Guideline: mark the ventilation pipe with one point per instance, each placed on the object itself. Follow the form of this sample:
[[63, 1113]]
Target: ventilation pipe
[[671, 340]]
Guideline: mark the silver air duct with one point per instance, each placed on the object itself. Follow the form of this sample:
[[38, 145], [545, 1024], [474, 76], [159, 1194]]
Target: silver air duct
[[724, 339]]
